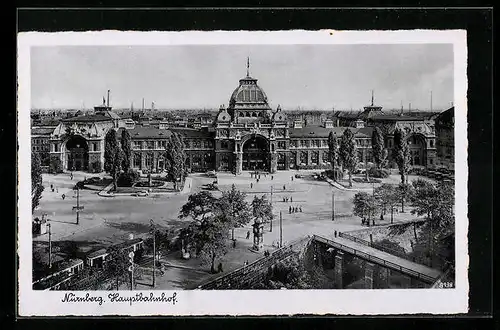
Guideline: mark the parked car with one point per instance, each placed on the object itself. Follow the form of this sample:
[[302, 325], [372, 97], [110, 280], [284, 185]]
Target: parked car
[[211, 174], [142, 193], [211, 186], [299, 176]]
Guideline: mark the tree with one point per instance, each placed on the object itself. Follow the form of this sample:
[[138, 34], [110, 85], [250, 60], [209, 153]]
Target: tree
[[234, 209], [436, 201], [207, 238], [402, 154], [199, 206], [403, 193], [126, 145], [112, 156], [262, 209], [364, 206], [387, 198], [175, 158], [55, 165], [348, 153], [333, 152], [36, 181], [118, 266], [378, 147]]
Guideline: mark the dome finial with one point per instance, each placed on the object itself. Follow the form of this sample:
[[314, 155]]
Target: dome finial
[[248, 66]]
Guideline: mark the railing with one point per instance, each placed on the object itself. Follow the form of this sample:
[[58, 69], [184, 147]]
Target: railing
[[279, 254], [368, 257], [375, 246]]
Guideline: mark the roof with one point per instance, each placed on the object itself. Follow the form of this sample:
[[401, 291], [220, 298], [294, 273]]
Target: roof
[[127, 243], [87, 118], [193, 133], [42, 130], [322, 132], [96, 254], [149, 132]]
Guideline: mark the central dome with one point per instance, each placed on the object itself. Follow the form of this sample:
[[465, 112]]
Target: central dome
[[248, 92]]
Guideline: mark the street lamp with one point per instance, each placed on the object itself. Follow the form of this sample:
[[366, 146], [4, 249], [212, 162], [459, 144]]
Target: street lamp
[[154, 251], [78, 207]]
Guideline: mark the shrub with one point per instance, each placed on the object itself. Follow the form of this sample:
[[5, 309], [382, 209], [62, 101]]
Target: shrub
[[55, 166], [96, 167], [128, 179], [363, 180], [378, 173]]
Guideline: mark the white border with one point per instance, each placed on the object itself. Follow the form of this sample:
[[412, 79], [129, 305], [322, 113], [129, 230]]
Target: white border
[[282, 302]]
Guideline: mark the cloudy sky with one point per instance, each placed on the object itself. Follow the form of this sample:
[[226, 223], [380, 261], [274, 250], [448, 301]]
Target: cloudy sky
[[306, 76]]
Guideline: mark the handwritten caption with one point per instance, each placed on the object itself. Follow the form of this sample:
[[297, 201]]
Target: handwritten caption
[[116, 297]]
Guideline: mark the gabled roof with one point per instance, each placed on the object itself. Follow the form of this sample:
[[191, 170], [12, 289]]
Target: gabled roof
[[322, 132], [87, 118]]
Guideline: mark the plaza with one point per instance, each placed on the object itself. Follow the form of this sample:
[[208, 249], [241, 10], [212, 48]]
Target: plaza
[[105, 221]]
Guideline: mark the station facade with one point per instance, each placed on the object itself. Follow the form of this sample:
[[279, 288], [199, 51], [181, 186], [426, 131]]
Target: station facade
[[246, 135]]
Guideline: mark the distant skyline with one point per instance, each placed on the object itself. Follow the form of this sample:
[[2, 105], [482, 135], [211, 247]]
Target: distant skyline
[[195, 77]]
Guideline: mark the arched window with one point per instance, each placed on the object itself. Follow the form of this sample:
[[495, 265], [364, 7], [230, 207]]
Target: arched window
[[247, 114], [254, 114]]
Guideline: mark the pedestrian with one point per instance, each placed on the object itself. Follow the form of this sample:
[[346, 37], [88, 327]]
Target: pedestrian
[[272, 177], [251, 185], [291, 200], [296, 209], [283, 199], [57, 190], [248, 234], [290, 209], [234, 243], [219, 268], [71, 176], [52, 187], [257, 180], [300, 207], [292, 177], [284, 187], [335, 234], [63, 196], [246, 263]]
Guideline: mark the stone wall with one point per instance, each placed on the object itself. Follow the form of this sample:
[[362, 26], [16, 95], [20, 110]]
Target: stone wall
[[252, 274], [397, 233]]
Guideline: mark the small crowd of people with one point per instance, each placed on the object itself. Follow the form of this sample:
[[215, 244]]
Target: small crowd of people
[[294, 209], [286, 199]]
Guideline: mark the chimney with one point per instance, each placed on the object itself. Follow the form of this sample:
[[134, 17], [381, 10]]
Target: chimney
[[107, 103]]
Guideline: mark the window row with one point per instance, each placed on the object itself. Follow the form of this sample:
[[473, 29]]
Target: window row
[[162, 144], [251, 114]]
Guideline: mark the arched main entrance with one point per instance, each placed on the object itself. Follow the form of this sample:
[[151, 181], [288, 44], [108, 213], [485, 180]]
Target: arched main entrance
[[255, 154], [417, 146], [77, 150]]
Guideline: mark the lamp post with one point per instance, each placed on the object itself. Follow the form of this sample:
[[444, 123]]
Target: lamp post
[[78, 207], [154, 251], [333, 206], [50, 246], [281, 230], [271, 223]]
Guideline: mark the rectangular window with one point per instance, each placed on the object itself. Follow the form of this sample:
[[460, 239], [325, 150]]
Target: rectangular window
[[197, 144], [151, 144], [137, 160], [187, 144], [281, 144]]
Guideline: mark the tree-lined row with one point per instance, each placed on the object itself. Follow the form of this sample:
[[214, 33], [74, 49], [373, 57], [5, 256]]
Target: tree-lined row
[[344, 154], [118, 154]]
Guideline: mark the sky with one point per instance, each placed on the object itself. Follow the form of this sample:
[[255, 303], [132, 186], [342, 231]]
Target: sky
[[320, 77]]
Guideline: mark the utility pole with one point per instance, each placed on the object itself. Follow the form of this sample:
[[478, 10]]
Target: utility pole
[[271, 224], [333, 206], [131, 269], [281, 230], [78, 207], [50, 246], [154, 252]]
